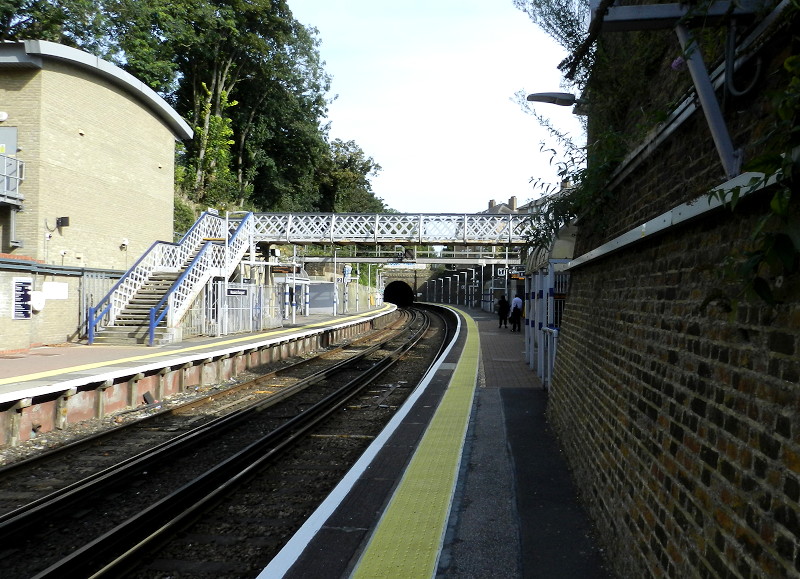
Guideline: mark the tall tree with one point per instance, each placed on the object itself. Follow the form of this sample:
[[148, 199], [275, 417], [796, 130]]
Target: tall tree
[[243, 73], [344, 180]]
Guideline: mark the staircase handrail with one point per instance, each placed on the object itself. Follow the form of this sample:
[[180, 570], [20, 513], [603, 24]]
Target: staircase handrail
[[210, 259], [161, 256]]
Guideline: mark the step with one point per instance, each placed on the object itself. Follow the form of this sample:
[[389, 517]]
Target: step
[[120, 335]]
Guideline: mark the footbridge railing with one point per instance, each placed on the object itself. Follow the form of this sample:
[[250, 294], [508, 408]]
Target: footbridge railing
[[384, 228], [161, 257], [213, 259]]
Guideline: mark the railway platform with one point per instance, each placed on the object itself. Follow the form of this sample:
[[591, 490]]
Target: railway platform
[[468, 481]]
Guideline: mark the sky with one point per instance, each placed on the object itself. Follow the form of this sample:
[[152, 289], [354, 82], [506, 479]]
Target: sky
[[425, 88]]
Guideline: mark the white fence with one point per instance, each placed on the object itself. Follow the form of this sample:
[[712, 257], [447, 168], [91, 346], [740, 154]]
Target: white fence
[[233, 308], [545, 294]]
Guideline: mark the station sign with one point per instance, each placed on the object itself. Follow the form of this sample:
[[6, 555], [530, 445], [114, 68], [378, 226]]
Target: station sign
[[22, 297]]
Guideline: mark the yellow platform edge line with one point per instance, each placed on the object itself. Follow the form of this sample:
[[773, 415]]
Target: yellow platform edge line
[[172, 353], [408, 538]]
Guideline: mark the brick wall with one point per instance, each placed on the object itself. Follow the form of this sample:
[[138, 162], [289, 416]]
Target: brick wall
[[678, 408], [93, 153]]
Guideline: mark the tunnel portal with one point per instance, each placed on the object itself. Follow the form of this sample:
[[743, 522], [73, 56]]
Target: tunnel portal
[[399, 293]]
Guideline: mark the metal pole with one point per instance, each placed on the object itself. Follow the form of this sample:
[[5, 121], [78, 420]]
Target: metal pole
[[335, 285], [708, 100], [294, 283]]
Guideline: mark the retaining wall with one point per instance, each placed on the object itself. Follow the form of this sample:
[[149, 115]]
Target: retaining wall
[[676, 399], [76, 400]]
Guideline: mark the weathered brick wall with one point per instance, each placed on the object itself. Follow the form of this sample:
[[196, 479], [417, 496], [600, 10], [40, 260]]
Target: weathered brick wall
[[682, 422], [679, 408]]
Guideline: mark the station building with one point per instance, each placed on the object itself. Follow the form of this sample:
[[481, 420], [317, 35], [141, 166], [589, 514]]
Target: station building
[[87, 160]]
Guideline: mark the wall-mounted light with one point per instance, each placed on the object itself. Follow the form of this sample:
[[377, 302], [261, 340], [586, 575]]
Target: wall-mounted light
[[3, 116], [62, 222]]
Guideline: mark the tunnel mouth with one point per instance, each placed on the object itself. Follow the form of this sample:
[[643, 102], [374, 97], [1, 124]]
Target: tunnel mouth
[[399, 293]]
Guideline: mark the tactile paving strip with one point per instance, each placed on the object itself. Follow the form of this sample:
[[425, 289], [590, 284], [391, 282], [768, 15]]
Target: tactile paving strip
[[409, 536]]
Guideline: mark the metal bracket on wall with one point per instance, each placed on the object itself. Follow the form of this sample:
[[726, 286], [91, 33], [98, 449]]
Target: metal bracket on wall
[[680, 17]]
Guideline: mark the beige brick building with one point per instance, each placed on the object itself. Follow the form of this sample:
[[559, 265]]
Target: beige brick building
[[98, 150]]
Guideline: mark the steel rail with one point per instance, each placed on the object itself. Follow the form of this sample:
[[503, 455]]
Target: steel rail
[[29, 514], [102, 556], [97, 437]]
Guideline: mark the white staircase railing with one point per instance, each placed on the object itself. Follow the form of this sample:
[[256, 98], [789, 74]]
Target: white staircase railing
[[214, 259], [162, 257]]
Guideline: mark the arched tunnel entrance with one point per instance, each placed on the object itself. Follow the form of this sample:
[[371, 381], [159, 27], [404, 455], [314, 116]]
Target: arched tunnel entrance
[[399, 293]]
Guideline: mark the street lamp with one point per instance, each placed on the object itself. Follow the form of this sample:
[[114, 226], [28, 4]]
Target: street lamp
[[563, 99], [464, 303], [472, 287]]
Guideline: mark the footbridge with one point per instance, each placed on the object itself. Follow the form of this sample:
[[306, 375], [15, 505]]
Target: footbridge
[[390, 228], [426, 238], [169, 279]]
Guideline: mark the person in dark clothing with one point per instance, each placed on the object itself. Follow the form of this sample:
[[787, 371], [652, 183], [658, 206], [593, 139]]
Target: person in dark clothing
[[516, 313], [503, 308]]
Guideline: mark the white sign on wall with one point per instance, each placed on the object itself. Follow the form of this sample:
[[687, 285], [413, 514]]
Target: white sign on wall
[[55, 290], [22, 297]]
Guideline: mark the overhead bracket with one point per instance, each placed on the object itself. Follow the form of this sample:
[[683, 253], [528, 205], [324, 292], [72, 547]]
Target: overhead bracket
[[679, 17]]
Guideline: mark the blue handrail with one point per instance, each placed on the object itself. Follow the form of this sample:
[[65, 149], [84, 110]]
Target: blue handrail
[[94, 318], [155, 316]]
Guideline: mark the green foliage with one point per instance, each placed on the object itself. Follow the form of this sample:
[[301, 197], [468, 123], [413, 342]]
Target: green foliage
[[183, 217], [75, 23], [270, 150], [344, 180], [563, 20], [774, 252], [214, 182]]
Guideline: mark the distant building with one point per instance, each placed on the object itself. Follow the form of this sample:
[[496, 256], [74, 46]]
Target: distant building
[[502, 208]]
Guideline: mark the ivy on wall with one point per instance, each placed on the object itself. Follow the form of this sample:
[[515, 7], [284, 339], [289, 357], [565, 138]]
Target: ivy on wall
[[774, 254], [634, 83]]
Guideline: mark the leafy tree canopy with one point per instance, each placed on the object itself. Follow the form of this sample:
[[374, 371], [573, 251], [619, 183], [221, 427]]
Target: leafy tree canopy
[[244, 74]]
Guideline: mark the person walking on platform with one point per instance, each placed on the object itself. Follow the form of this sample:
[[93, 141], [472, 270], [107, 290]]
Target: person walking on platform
[[502, 311], [516, 313]]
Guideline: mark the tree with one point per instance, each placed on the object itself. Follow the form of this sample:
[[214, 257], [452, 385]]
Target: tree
[[76, 23], [344, 180], [243, 73]]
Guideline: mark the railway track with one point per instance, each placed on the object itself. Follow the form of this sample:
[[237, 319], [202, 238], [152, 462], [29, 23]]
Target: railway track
[[144, 428], [120, 510]]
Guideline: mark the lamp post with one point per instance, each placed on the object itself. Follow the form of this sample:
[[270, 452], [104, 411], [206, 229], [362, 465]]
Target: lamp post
[[563, 99], [464, 302], [472, 287], [441, 290]]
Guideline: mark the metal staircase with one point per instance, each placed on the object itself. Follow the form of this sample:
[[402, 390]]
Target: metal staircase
[[148, 303], [131, 325]]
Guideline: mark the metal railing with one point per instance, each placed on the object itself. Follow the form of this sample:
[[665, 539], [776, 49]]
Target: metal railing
[[416, 228], [213, 260], [12, 173], [161, 257]]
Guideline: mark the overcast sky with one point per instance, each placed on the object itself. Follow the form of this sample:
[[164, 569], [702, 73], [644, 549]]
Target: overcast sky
[[424, 88]]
